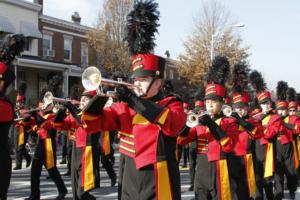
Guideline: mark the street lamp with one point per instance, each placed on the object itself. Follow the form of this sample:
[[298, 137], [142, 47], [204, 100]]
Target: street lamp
[[213, 35]]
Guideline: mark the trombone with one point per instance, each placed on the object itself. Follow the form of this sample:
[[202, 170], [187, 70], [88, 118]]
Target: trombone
[[92, 80]]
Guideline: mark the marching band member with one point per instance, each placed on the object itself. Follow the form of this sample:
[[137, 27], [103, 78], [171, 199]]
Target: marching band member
[[12, 47], [216, 135], [23, 127], [250, 130], [266, 147], [154, 121], [45, 153]]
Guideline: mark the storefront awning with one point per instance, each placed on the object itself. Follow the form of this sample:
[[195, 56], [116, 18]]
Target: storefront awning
[[6, 25], [30, 30]]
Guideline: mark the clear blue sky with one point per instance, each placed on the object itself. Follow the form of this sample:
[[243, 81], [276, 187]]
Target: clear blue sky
[[272, 30]]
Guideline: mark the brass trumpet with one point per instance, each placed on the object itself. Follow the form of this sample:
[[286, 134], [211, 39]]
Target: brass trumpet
[[50, 99], [192, 119], [227, 110], [92, 80]]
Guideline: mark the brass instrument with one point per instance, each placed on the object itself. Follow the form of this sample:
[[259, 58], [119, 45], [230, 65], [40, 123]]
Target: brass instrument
[[192, 119], [227, 110], [50, 99], [92, 80]]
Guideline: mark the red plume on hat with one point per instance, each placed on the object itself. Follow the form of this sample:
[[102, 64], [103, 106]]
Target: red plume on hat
[[281, 91], [142, 23]]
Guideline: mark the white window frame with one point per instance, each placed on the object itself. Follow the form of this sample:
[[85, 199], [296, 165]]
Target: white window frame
[[49, 37], [171, 74], [83, 47], [70, 38]]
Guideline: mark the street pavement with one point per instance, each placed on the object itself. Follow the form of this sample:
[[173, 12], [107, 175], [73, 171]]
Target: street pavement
[[20, 185]]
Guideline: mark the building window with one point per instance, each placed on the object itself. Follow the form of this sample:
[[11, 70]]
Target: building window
[[171, 74], [67, 49], [27, 44], [84, 55], [47, 45]]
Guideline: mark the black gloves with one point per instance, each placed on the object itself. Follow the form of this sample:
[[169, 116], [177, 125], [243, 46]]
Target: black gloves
[[39, 119], [95, 105], [185, 131], [289, 126], [247, 126], [215, 130], [148, 109], [73, 110], [60, 115], [124, 93]]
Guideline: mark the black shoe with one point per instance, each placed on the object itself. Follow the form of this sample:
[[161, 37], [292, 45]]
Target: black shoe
[[63, 161], [17, 167], [61, 195], [113, 182], [68, 173], [32, 198], [28, 162], [191, 188], [292, 195]]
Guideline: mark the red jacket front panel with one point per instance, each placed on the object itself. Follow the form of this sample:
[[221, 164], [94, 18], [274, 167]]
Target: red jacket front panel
[[206, 142], [121, 117]]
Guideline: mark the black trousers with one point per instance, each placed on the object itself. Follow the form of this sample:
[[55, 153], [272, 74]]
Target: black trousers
[[238, 177], [183, 149], [70, 144], [76, 169], [206, 180], [5, 164], [121, 173], [39, 159], [262, 184], [108, 166], [140, 184], [192, 163], [64, 143], [20, 150], [284, 166]]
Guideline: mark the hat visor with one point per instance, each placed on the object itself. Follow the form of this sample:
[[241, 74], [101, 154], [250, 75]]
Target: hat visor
[[142, 73], [213, 97]]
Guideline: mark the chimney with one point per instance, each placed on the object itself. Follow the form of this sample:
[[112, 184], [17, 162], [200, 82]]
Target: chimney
[[76, 18], [41, 2]]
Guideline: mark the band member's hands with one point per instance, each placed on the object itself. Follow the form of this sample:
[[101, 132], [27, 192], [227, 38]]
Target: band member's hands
[[124, 94], [205, 120]]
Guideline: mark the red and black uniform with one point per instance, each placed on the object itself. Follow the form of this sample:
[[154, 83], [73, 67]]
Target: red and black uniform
[[85, 157], [106, 150], [212, 180], [7, 76], [193, 148], [127, 151], [266, 154], [243, 161], [153, 173], [23, 129], [5, 166], [45, 154]]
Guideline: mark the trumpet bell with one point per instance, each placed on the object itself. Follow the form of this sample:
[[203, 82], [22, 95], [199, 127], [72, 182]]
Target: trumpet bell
[[227, 110], [192, 120], [91, 78], [48, 99]]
